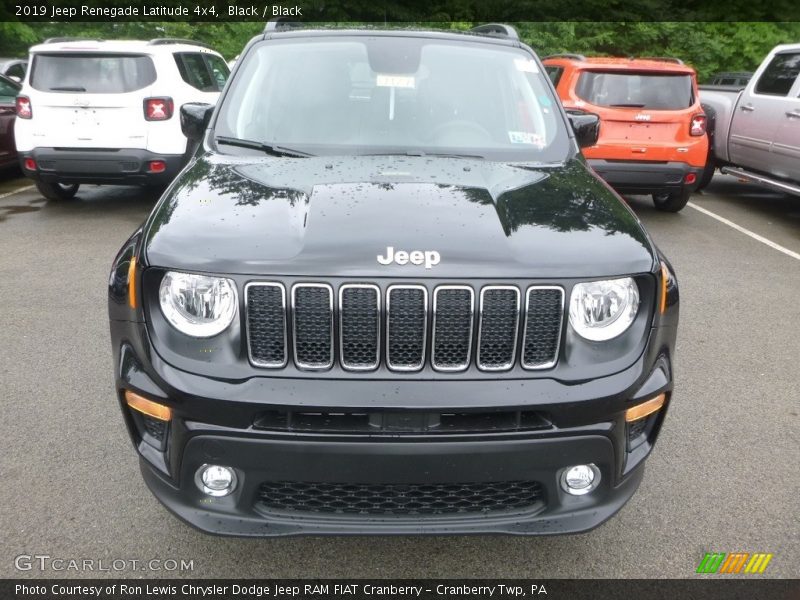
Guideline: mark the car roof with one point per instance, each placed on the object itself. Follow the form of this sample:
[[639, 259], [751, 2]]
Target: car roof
[[622, 64], [460, 36], [123, 46]]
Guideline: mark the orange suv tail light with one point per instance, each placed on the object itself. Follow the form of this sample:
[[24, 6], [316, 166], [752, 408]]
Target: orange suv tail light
[[24, 108], [698, 126], [158, 109]]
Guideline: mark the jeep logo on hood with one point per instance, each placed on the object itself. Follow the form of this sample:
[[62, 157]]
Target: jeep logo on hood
[[416, 257]]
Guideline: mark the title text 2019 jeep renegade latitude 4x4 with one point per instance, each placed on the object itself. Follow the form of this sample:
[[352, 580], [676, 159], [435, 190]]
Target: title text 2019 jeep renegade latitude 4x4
[[389, 296]]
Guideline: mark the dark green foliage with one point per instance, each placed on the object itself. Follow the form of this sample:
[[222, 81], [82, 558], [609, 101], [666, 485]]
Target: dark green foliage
[[708, 46]]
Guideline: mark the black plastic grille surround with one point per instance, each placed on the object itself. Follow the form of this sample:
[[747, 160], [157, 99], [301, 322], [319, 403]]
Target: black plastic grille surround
[[266, 324], [404, 326], [407, 313], [313, 325], [544, 310], [399, 499], [452, 328], [360, 326], [499, 321], [154, 427]]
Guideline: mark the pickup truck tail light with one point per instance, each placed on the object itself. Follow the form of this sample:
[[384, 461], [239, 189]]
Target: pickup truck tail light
[[24, 108], [698, 126], [158, 109]]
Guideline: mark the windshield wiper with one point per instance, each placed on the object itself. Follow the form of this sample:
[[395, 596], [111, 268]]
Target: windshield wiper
[[630, 105], [68, 88], [265, 148]]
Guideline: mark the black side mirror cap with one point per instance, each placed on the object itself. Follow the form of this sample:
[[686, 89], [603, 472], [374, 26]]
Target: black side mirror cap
[[195, 117], [586, 127]]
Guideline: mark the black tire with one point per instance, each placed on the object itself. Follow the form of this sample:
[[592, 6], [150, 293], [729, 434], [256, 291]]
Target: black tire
[[711, 167], [672, 201], [708, 173], [57, 191]]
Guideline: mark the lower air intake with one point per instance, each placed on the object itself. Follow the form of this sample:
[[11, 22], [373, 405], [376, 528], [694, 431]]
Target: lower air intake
[[399, 499]]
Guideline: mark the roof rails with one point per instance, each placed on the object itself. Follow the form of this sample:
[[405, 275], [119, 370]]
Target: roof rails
[[566, 55], [282, 24], [496, 30], [165, 41], [668, 59], [61, 40]]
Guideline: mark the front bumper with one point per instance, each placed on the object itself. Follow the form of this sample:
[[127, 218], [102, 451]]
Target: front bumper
[[641, 177], [112, 166], [214, 422], [258, 461]]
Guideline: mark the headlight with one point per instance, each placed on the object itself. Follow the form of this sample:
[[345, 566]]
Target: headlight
[[197, 305], [601, 310]]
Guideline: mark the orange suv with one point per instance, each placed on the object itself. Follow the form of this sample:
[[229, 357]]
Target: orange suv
[[653, 130]]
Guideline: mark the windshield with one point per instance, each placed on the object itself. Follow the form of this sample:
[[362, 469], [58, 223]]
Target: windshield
[[387, 94], [636, 90]]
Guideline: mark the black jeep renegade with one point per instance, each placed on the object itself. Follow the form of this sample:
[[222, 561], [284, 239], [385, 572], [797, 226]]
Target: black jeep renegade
[[387, 295]]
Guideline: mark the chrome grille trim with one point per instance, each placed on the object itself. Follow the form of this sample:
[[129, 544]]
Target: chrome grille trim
[[551, 363], [253, 361], [377, 291], [508, 365], [465, 365], [421, 364], [297, 361]]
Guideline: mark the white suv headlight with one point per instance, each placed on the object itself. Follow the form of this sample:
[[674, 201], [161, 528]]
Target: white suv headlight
[[602, 310], [198, 305]]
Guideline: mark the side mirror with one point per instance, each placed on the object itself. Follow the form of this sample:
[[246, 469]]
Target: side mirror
[[15, 78], [586, 127], [195, 117]]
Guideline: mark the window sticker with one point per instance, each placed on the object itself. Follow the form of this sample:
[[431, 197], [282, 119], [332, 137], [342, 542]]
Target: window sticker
[[524, 137], [396, 81], [526, 65]]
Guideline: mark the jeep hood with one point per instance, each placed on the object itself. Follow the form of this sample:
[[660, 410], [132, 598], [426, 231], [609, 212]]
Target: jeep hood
[[333, 216]]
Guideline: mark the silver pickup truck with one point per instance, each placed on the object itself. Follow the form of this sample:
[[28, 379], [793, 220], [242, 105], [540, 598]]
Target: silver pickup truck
[[757, 130]]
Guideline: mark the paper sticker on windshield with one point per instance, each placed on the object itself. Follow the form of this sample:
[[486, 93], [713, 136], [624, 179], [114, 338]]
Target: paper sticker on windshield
[[524, 137], [395, 81], [526, 66]]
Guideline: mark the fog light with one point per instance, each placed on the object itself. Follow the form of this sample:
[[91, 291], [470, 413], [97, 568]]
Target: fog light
[[580, 479], [30, 164], [215, 480], [690, 178]]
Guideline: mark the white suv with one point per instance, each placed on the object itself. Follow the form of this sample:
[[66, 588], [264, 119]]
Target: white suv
[[107, 112]]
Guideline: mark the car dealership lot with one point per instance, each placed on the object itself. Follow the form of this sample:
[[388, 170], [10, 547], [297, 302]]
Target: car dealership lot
[[723, 477]]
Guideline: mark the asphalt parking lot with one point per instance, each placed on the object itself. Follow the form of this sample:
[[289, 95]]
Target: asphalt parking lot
[[723, 477]]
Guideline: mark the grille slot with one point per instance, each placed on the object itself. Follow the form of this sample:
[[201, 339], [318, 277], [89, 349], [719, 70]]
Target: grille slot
[[359, 326], [497, 329], [400, 499], [544, 310], [266, 324], [452, 327], [312, 310], [406, 326]]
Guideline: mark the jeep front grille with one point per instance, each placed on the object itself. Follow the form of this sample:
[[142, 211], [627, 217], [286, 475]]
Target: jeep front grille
[[404, 327]]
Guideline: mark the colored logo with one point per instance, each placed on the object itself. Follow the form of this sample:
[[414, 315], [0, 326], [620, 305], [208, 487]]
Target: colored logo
[[735, 562]]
